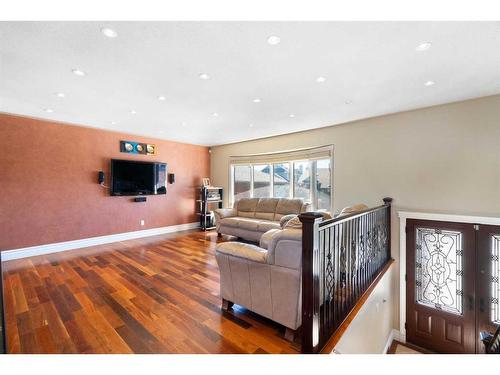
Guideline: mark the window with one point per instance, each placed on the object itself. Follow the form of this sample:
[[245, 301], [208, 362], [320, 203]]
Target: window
[[281, 180], [261, 181], [323, 184], [241, 181], [302, 180], [307, 175]]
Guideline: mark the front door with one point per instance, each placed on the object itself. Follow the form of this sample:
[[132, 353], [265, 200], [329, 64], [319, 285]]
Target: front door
[[440, 302], [488, 285]]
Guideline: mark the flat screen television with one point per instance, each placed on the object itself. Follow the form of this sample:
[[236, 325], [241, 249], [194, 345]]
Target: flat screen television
[[138, 177]]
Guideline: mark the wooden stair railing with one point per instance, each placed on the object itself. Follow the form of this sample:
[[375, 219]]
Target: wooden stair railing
[[342, 259]]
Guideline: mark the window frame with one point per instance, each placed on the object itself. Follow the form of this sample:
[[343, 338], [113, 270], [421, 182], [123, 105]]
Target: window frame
[[313, 196]]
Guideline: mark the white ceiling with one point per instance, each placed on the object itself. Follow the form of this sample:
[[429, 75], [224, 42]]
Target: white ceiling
[[371, 65]]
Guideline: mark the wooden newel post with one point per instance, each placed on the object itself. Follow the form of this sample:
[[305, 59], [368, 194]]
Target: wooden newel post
[[388, 203], [310, 281]]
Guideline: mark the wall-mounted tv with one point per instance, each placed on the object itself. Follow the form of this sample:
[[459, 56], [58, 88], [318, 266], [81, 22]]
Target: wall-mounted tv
[[130, 177]]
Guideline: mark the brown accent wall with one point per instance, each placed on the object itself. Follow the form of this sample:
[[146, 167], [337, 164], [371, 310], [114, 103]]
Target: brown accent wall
[[49, 191]]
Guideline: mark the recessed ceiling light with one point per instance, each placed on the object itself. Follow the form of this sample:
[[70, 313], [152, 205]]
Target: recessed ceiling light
[[273, 40], [48, 110], [78, 72], [320, 79], [161, 97], [133, 111], [110, 33], [204, 76], [113, 122], [429, 83], [348, 102], [183, 124], [60, 94], [257, 100], [250, 125], [215, 114], [291, 115], [423, 47]]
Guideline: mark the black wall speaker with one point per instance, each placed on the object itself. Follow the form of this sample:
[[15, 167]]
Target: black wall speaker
[[101, 177], [171, 178]]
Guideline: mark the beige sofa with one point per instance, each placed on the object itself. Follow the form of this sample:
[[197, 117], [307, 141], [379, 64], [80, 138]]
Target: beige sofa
[[264, 280], [252, 217]]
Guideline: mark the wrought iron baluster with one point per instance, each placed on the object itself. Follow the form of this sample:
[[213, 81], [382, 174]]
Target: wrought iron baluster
[[337, 274], [349, 269], [321, 282], [341, 258]]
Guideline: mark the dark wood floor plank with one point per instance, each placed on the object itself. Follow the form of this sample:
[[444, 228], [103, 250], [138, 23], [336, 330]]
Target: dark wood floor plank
[[150, 295]]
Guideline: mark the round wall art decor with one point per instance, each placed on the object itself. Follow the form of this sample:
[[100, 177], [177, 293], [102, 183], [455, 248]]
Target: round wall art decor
[[130, 147]]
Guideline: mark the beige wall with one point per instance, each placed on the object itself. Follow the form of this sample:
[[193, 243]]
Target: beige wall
[[439, 159], [370, 330]]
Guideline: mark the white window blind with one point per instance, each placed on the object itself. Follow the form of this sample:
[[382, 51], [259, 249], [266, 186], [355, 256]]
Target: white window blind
[[322, 152]]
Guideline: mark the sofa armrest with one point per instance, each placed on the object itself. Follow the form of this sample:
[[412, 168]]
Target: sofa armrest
[[242, 250], [222, 213], [285, 249]]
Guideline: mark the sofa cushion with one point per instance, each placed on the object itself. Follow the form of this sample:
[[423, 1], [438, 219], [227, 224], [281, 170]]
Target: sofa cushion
[[295, 222], [285, 219], [248, 224], [246, 207], [288, 206], [231, 221], [352, 209], [243, 250], [265, 225], [266, 208]]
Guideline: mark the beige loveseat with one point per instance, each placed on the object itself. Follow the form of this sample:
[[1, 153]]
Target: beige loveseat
[[264, 280], [252, 217]]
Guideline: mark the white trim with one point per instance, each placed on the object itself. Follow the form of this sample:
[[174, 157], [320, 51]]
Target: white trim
[[393, 335], [403, 216], [485, 220], [92, 241]]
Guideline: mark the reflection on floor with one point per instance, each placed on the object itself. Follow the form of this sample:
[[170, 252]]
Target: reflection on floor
[[151, 295]]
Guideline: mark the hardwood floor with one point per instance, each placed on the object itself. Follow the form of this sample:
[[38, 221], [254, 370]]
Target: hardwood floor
[[406, 348], [154, 295]]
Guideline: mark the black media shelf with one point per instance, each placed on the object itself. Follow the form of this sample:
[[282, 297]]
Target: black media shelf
[[210, 199]]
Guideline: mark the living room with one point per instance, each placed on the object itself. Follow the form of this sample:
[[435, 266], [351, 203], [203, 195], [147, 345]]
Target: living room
[[249, 187]]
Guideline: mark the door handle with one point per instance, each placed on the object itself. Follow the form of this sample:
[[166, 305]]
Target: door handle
[[481, 305], [471, 303]]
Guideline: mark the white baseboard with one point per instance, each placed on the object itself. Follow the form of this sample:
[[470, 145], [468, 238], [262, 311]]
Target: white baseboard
[[394, 335], [93, 241]]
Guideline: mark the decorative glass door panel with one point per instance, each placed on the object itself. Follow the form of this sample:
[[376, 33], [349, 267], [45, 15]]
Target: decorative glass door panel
[[453, 284], [438, 269], [440, 265], [495, 276], [488, 275]]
